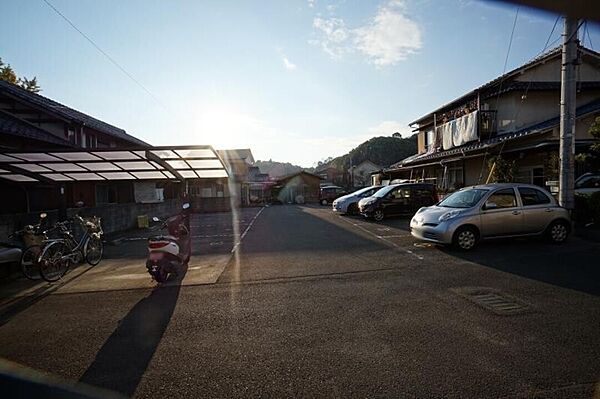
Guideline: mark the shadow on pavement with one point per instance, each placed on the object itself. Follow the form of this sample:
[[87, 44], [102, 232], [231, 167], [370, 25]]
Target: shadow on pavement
[[573, 265], [121, 362]]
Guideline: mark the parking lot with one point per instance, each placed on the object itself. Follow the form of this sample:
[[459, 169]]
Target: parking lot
[[314, 304]]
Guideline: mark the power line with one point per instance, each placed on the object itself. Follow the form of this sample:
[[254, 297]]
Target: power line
[[112, 60], [510, 41]]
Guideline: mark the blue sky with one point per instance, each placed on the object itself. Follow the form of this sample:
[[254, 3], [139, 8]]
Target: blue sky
[[295, 81]]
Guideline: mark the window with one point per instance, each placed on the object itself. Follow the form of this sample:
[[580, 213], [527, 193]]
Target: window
[[423, 193], [531, 196], [105, 194], [429, 140], [503, 198], [530, 175], [401, 193]]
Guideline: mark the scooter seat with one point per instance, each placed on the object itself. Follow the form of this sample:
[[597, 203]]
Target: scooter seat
[[163, 238]]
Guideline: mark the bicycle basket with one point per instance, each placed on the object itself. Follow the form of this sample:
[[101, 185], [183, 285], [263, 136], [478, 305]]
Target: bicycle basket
[[93, 225], [30, 238]]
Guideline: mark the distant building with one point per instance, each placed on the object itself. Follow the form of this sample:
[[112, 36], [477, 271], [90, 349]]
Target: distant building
[[300, 187], [331, 175], [360, 175]]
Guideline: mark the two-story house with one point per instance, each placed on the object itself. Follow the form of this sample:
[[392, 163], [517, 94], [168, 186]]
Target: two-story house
[[32, 122], [515, 116]]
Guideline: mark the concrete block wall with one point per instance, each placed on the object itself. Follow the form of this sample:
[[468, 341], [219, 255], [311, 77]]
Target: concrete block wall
[[120, 217], [115, 217]]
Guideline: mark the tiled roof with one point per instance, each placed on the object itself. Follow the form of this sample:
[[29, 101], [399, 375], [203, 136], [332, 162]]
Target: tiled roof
[[14, 126], [65, 112], [298, 173], [531, 130], [555, 52]]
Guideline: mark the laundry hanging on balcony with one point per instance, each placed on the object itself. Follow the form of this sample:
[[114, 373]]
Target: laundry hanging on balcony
[[458, 131]]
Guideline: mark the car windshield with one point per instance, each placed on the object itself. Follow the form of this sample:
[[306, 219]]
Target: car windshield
[[365, 192], [383, 192], [463, 198]]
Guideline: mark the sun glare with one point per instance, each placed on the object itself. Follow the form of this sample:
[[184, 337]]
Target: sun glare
[[226, 126]]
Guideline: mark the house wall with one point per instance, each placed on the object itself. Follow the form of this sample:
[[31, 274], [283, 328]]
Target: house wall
[[515, 113], [304, 185], [550, 72]]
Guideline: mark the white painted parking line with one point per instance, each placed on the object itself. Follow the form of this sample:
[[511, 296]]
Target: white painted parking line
[[237, 244], [384, 238]]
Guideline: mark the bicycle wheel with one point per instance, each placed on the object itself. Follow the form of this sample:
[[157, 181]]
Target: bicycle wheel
[[93, 250], [29, 262], [53, 263]]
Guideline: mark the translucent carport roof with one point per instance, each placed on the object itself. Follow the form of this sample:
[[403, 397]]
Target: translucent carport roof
[[155, 163]]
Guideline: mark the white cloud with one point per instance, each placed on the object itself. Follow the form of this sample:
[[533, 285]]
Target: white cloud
[[290, 66], [334, 36], [389, 37], [387, 128], [311, 3]]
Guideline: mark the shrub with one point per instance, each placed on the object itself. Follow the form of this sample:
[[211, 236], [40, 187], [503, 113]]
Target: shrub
[[594, 206]]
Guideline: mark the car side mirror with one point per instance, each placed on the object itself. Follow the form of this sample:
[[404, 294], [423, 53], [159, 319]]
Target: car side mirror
[[490, 205]]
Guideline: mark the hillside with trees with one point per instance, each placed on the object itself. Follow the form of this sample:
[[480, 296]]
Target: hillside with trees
[[383, 151]]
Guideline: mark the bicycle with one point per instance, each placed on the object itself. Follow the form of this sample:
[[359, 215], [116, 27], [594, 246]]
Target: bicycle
[[33, 238], [58, 254]]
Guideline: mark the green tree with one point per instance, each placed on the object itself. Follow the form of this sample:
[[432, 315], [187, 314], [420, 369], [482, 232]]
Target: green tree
[[592, 158], [504, 171], [7, 73]]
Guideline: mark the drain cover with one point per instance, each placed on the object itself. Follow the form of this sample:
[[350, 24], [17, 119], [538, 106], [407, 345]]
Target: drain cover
[[493, 300]]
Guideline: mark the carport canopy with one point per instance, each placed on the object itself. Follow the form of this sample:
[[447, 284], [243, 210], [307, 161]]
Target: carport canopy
[[154, 163]]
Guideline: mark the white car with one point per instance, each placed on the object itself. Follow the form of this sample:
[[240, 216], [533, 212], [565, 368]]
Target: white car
[[349, 203]]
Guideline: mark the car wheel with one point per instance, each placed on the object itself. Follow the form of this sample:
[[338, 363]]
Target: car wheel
[[378, 215], [465, 238], [323, 202], [558, 232], [352, 209]]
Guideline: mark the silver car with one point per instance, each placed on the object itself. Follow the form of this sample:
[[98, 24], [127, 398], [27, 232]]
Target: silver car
[[349, 203], [491, 211]]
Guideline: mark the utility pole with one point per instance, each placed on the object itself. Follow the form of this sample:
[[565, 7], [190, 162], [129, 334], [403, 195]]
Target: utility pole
[[566, 196]]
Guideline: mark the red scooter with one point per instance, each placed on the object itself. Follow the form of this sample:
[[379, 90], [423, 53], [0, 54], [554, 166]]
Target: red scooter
[[168, 254]]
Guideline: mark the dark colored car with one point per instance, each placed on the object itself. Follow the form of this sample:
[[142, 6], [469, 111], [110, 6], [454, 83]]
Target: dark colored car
[[398, 199], [329, 193]]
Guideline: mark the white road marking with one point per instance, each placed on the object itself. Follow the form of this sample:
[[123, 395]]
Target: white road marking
[[384, 238], [237, 244]]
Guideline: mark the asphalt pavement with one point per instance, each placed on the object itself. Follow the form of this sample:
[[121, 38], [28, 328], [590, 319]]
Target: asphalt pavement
[[313, 304]]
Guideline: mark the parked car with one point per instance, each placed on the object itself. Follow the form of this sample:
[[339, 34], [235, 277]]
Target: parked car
[[588, 183], [398, 199], [349, 203], [329, 193], [491, 211]]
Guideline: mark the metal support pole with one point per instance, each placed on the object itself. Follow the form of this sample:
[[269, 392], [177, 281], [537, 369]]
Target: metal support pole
[[567, 114]]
